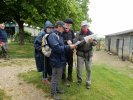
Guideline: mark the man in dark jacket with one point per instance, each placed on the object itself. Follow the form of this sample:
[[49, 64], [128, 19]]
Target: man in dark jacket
[[68, 36], [84, 54], [3, 40], [42, 62], [57, 57]]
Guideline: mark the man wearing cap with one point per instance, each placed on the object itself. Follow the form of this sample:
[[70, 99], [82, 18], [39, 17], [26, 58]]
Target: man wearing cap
[[68, 36], [84, 54], [57, 57], [42, 62]]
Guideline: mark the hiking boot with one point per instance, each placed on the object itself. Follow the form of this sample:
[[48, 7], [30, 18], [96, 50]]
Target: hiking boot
[[45, 82], [67, 84], [70, 79], [49, 78], [55, 96], [60, 91], [64, 80], [88, 86], [79, 83]]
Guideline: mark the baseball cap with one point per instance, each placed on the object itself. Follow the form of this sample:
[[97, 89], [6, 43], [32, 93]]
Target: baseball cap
[[84, 23], [60, 23]]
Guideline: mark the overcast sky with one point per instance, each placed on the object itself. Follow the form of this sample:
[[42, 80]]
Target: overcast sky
[[110, 16]]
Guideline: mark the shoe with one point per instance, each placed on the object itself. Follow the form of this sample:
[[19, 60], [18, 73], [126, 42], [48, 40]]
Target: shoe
[[79, 83], [55, 96], [88, 86], [60, 91], [67, 84], [70, 79], [45, 82], [49, 78], [64, 80]]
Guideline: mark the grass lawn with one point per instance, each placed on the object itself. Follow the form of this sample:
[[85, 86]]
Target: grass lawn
[[21, 51], [107, 84], [19, 54]]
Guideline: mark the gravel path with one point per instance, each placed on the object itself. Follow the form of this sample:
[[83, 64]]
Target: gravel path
[[16, 88]]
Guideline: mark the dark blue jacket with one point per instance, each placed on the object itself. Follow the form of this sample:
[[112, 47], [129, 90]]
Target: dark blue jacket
[[39, 57], [3, 35], [56, 42]]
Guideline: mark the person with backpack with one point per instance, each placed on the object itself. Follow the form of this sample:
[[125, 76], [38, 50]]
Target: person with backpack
[[57, 57], [84, 53], [68, 36], [42, 62]]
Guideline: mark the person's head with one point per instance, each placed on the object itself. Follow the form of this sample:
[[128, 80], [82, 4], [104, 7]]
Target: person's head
[[84, 26], [60, 26], [48, 26], [48, 29], [2, 26], [68, 23]]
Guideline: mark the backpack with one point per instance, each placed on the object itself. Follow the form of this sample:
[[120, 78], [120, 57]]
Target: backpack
[[46, 50]]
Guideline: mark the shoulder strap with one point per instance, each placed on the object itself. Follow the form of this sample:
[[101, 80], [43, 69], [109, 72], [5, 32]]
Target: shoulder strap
[[43, 41]]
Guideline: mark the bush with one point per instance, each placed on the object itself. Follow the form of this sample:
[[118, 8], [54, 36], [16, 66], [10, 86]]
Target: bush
[[27, 37]]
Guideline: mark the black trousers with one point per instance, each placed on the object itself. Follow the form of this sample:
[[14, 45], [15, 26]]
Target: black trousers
[[47, 68], [4, 51], [69, 58]]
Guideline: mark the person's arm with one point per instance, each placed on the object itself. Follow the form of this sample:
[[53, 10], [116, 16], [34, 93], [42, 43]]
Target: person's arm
[[38, 42], [77, 38], [55, 46], [93, 42]]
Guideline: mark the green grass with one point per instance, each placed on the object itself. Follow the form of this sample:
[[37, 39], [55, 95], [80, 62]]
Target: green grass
[[107, 84], [21, 51], [3, 96]]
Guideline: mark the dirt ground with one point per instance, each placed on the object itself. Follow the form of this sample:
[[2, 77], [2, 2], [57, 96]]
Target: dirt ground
[[102, 57], [19, 90], [13, 86]]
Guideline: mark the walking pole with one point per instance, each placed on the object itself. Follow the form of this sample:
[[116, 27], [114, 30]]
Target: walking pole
[[75, 61]]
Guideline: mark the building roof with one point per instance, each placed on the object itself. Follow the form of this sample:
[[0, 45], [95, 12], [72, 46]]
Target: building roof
[[121, 33]]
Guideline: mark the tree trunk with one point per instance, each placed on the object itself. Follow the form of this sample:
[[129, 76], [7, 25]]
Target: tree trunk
[[21, 32]]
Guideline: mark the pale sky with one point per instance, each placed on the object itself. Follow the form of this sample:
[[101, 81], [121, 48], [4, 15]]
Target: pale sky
[[110, 16]]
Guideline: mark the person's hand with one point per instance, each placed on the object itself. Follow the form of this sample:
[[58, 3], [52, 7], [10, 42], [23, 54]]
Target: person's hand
[[0, 44], [72, 46], [90, 40], [69, 42]]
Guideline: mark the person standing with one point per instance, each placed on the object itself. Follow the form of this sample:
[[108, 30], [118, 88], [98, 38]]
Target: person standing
[[84, 54], [57, 57], [42, 62], [3, 40], [68, 36]]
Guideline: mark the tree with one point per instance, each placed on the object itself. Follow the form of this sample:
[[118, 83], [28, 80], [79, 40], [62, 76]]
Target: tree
[[18, 11], [36, 12]]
